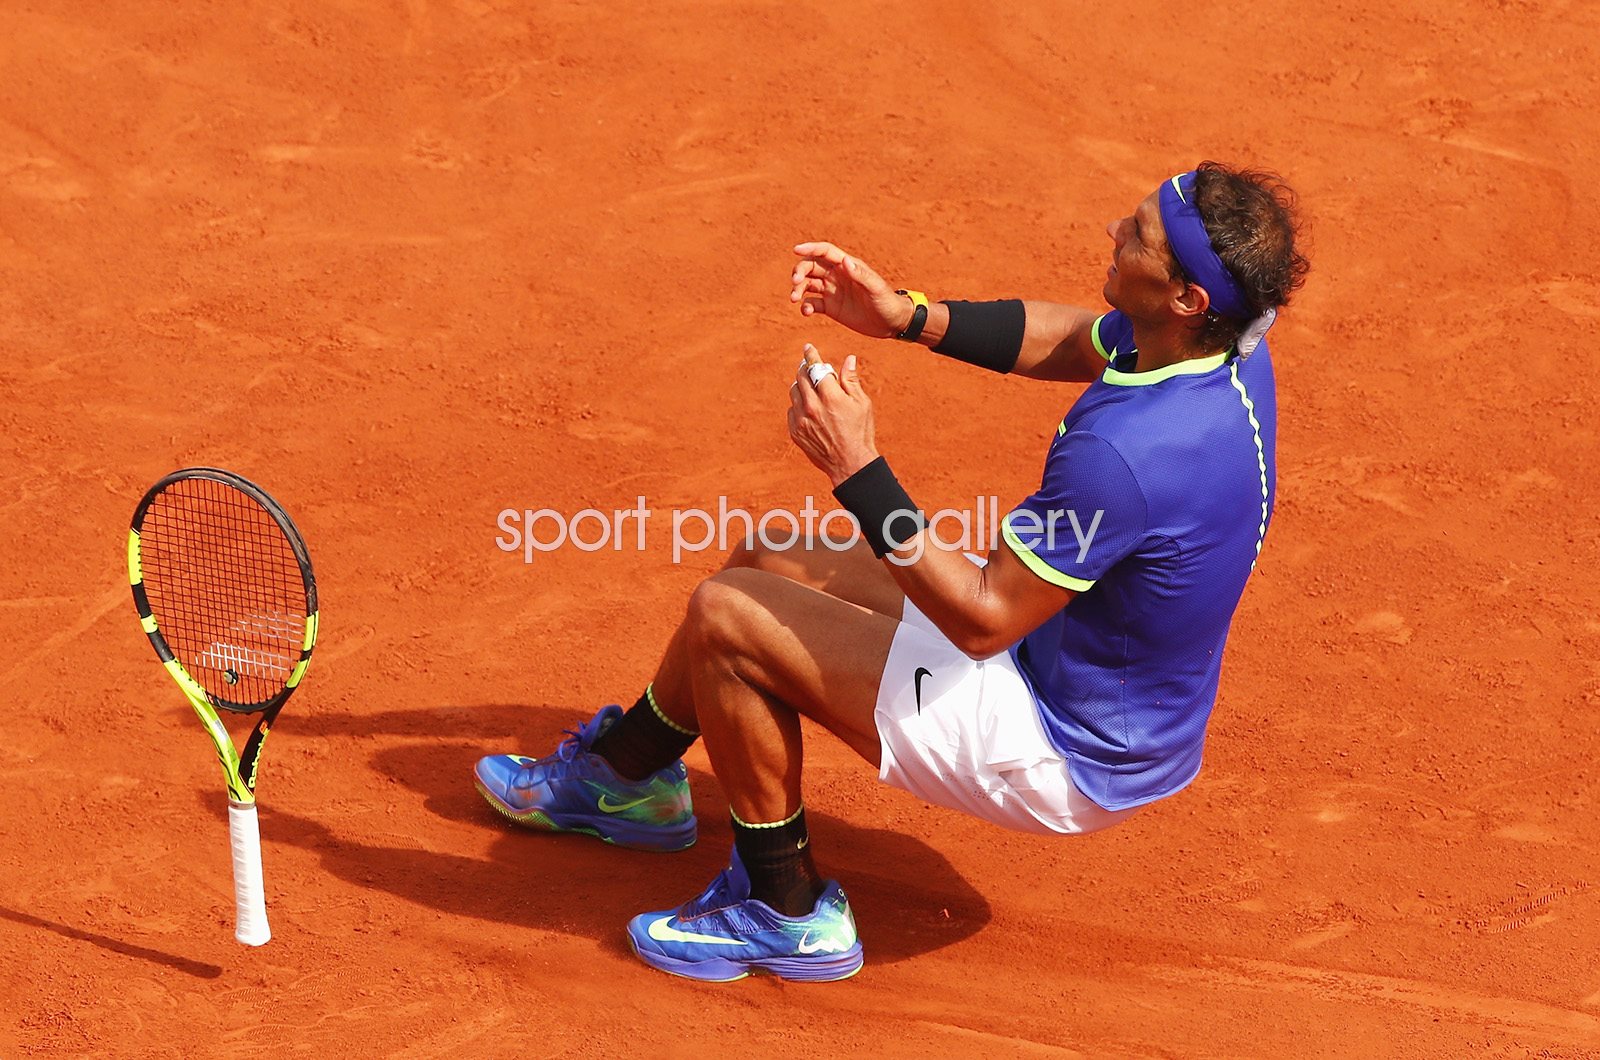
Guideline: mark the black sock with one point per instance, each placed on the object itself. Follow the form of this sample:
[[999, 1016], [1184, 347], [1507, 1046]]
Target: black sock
[[643, 741], [778, 859]]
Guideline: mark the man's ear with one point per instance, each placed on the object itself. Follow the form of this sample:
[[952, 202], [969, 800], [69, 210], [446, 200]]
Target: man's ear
[[1192, 301]]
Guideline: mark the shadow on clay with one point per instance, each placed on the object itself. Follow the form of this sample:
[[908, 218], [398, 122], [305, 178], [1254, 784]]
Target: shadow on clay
[[198, 969], [907, 897]]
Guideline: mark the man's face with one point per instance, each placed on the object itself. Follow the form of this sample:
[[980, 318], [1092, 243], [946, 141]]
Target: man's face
[[1139, 281]]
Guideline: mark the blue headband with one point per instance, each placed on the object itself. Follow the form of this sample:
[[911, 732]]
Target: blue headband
[[1186, 235]]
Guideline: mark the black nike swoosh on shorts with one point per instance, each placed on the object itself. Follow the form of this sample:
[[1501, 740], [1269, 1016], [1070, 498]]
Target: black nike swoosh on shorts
[[922, 671]]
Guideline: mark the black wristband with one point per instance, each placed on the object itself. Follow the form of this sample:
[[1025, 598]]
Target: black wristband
[[987, 334], [881, 505]]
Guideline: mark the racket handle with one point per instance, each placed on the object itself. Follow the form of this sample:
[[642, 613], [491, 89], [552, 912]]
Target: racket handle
[[249, 895]]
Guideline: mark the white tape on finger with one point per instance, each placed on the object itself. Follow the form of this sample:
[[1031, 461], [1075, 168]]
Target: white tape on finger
[[249, 893], [818, 372]]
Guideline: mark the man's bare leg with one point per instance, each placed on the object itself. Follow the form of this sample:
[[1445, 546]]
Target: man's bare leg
[[762, 651], [853, 575], [756, 651]]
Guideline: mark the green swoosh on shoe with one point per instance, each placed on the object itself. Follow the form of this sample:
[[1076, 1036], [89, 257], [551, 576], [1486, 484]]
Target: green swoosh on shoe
[[607, 806], [662, 930]]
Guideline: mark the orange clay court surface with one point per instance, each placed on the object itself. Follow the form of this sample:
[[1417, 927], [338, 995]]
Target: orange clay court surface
[[407, 264]]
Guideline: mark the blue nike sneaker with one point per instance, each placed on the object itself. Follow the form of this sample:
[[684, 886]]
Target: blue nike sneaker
[[576, 791], [725, 935]]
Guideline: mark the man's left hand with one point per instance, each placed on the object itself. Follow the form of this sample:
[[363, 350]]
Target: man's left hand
[[831, 419]]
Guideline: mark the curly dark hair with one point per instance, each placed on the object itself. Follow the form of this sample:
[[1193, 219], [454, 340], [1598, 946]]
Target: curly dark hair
[[1252, 218]]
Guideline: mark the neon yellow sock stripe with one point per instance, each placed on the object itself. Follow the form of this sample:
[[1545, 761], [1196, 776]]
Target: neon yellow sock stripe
[[775, 824], [1261, 453], [650, 694]]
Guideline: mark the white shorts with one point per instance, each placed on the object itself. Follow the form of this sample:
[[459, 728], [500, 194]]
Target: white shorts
[[966, 734]]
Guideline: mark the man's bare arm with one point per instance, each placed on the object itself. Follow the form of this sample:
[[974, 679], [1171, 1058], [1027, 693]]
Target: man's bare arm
[[1057, 344], [1057, 339]]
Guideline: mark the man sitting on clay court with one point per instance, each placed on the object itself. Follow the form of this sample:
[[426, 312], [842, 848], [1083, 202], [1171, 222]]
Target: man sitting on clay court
[[1056, 689]]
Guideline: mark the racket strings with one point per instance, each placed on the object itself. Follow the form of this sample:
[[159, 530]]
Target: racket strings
[[226, 589]]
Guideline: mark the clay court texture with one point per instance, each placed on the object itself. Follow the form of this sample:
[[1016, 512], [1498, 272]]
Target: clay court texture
[[409, 264]]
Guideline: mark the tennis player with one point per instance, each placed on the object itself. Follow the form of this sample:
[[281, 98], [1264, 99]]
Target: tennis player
[[1055, 689]]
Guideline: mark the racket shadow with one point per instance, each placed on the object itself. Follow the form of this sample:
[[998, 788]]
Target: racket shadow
[[494, 721], [198, 969], [909, 898]]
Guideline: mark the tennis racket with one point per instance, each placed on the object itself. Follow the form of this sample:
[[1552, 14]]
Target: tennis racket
[[223, 584]]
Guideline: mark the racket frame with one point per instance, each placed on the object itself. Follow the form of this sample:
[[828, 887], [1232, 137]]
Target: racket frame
[[239, 768]]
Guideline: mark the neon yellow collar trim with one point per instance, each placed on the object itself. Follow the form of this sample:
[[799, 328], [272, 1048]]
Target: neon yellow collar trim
[[1196, 366]]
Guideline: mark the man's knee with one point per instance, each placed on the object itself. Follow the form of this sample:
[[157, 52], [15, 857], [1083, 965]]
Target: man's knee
[[718, 608]]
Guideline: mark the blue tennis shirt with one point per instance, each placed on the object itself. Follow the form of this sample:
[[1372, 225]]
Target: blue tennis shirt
[[1159, 486]]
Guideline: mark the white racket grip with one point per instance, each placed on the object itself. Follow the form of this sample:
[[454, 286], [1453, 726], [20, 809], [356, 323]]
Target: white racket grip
[[249, 895]]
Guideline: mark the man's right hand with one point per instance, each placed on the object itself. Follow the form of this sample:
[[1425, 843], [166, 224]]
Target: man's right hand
[[829, 281]]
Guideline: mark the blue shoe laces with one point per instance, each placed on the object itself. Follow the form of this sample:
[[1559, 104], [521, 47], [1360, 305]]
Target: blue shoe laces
[[719, 895], [565, 761]]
